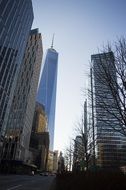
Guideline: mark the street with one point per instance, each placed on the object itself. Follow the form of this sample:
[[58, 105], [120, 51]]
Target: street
[[25, 182]]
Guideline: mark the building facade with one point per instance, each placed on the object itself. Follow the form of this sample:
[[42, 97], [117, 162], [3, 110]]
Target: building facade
[[19, 126], [50, 161], [79, 153], [55, 161], [16, 18], [47, 90], [40, 119], [39, 148], [110, 145], [39, 141], [61, 163]]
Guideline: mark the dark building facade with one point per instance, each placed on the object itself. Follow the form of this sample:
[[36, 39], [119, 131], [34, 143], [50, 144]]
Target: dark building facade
[[16, 18], [39, 147], [39, 141]]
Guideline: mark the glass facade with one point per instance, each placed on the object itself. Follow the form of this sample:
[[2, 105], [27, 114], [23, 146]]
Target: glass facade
[[47, 90], [21, 114], [40, 119], [16, 18], [110, 145]]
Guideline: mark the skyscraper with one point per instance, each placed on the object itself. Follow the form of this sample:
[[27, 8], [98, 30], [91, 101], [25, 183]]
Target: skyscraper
[[110, 145], [47, 89], [22, 109], [78, 155], [40, 119], [16, 18], [39, 141]]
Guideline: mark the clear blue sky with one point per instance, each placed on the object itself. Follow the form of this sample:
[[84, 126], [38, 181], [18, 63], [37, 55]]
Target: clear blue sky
[[80, 27]]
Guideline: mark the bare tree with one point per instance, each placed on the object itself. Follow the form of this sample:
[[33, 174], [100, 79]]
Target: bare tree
[[78, 152], [81, 147], [110, 72], [68, 156]]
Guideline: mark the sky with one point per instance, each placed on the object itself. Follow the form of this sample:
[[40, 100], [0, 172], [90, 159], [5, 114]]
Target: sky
[[81, 27]]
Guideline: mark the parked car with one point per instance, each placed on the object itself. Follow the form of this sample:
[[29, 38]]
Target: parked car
[[44, 173]]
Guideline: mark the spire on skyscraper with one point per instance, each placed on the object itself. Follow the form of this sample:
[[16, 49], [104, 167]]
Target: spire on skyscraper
[[52, 41]]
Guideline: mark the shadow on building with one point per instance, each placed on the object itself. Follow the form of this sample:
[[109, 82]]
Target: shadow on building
[[39, 142]]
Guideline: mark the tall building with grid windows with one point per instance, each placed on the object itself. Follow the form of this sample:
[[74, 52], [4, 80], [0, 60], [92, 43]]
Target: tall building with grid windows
[[19, 126], [16, 17], [47, 90], [110, 145], [78, 155]]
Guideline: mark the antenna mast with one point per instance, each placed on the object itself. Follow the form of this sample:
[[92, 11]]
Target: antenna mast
[[52, 41]]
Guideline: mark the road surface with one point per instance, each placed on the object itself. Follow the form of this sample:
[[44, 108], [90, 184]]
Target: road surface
[[25, 182]]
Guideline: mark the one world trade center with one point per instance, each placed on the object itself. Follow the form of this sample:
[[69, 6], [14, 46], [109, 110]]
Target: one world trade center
[[47, 89]]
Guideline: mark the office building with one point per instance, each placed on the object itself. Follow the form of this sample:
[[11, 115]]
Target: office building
[[61, 163], [50, 161], [79, 153], [39, 148], [109, 145], [19, 126], [55, 161], [40, 119], [16, 18], [39, 141], [47, 89]]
